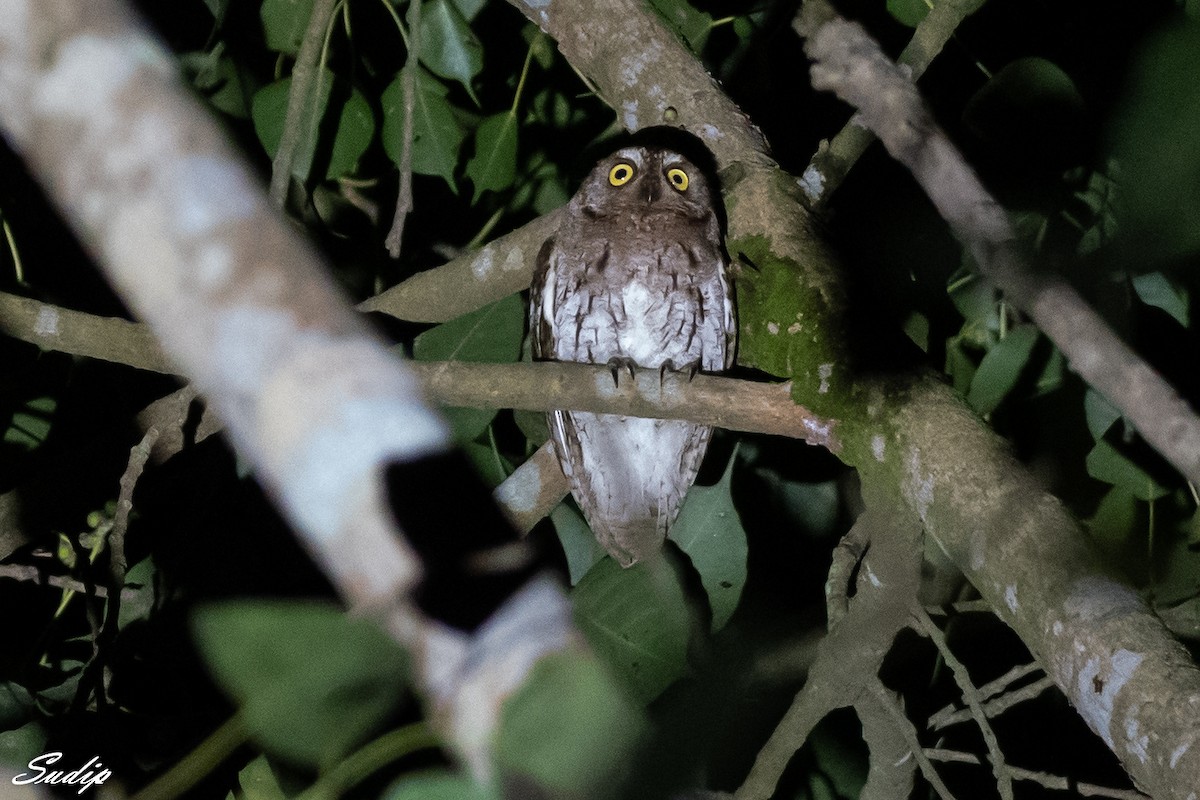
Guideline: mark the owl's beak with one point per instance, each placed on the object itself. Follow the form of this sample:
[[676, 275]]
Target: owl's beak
[[653, 190]]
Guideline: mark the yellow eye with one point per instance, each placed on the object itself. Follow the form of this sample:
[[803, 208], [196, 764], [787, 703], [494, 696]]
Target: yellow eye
[[678, 178], [620, 174]]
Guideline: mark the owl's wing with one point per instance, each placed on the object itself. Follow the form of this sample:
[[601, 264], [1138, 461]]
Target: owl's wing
[[729, 317], [541, 333], [541, 303]]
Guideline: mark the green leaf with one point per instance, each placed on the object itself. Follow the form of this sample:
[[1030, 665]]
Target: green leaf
[[215, 75], [1115, 520], [710, 532], [311, 682], [1001, 368], [551, 194], [284, 22], [490, 335], [960, 366], [1192, 8], [21, 744], [438, 786], [1106, 463], [16, 705], [494, 165], [569, 728], [466, 424], [908, 12], [437, 134], [469, 8], [809, 508], [31, 425], [636, 620], [1156, 289], [355, 126], [1154, 139], [138, 598], [578, 542], [217, 7], [975, 299], [449, 48], [258, 781], [1032, 107], [490, 465], [542, 46], [693, 25], [1100, 413]]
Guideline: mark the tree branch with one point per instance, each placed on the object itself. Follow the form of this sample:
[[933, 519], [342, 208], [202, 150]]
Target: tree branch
[[299, 119], [836, 157], [848, 62], [1026, 555], [471, 281], [404, 199], [316, 403], [533, 490], [78, 333]]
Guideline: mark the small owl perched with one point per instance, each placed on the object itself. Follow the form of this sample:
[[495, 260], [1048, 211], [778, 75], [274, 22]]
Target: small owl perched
[[636, 277]]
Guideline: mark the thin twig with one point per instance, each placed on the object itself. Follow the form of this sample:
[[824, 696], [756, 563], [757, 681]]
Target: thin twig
[[992, 708], [1049, 781], [404, 200], [297, 122], [906, 729], [31, 574], [139, 454], [972, 698]]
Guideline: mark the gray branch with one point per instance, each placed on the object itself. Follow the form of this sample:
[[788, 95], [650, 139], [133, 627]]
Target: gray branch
[[847, 61], [307, 393]]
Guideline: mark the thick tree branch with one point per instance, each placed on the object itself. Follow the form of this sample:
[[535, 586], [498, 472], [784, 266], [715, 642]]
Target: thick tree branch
[[471, 281], [78, 333], [1027, 556], [848, 62], [533, 490], [315, 402]]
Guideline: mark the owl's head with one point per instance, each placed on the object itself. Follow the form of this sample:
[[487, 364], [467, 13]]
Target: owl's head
[[641, 180]]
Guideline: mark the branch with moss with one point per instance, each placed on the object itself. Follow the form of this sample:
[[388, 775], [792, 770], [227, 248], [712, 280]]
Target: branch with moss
[[911, 436]]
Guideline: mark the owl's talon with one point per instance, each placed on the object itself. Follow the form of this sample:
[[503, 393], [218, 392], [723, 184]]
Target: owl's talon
[[689, 370], [616, 363]]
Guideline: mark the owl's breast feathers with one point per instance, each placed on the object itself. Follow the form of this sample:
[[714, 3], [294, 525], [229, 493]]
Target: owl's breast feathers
[[652, 299]]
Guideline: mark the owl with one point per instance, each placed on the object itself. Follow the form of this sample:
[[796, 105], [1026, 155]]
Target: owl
[[636, 277]]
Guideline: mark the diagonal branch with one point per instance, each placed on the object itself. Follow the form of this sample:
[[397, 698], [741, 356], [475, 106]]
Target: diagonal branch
[[848, 62], [316, 402], [835, 158]]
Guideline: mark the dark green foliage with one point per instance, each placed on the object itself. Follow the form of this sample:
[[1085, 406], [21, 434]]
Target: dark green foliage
[[310, 682], [637, 620], [1080, 116], [569, 728]]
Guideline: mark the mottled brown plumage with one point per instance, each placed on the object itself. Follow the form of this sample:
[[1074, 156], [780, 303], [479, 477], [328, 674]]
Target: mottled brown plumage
[[636, 277]]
